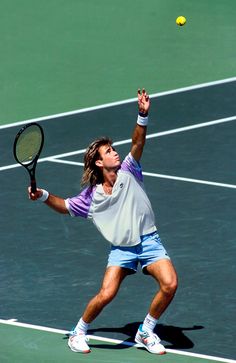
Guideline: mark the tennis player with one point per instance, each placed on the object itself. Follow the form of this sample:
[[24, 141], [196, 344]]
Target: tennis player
[[115, 200]]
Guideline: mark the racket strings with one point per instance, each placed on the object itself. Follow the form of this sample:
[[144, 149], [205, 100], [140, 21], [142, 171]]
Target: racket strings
[[28, 145]]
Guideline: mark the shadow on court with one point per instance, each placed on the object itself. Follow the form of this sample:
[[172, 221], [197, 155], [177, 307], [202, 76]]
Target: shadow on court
[[173, 335]]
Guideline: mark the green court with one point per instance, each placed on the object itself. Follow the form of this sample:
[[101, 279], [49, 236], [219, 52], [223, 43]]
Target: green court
[[46, 346], [52, 264]]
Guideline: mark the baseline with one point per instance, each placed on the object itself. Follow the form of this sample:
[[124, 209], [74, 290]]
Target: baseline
[[118, 103]]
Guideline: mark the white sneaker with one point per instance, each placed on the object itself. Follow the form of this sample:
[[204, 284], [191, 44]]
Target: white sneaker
[[78, 343], [150, 341]]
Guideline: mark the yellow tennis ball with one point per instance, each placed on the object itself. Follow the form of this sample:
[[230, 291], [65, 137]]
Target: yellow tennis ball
[[181, 20]]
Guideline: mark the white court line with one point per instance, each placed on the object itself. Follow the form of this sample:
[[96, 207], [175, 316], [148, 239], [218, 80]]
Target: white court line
[[163, 176], [193, 127], [190, 180], [13, 322], [59, 161], [118, 103], [127, 141]]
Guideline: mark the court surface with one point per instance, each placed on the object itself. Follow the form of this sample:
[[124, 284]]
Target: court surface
[[52, 264]]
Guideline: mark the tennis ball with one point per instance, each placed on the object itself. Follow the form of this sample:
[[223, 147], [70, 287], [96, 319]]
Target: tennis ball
[[181, 20]]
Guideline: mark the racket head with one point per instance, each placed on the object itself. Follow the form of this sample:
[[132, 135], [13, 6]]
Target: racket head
[[27, 147], [28, 144]]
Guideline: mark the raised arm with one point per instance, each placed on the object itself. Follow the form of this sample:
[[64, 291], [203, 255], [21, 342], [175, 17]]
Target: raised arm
[[139, 133], [54, 202]]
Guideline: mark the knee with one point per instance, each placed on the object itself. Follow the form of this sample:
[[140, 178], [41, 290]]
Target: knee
[[106, 296], [169, 287]]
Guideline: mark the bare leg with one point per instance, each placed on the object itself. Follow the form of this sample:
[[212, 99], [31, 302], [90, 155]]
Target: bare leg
[[164, 273], [113, 277]]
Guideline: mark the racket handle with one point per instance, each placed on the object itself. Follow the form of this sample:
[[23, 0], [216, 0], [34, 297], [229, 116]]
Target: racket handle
[[33, 186]]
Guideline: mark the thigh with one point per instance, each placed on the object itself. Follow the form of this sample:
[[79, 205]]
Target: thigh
[[163, 271], [113, 277]]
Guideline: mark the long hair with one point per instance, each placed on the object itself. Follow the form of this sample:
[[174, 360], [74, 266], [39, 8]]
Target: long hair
[[92, 174]]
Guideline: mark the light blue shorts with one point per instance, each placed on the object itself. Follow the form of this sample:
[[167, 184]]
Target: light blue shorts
[[149, 250]]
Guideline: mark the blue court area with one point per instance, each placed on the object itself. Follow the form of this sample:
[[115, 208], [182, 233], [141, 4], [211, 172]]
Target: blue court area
[[51, 265]]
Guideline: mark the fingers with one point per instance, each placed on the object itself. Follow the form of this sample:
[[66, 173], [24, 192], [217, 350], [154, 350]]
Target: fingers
[[143, 100], [36, 195], [143, 94]]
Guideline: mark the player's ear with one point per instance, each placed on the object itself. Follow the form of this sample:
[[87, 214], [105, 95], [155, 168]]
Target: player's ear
[[99, 163]]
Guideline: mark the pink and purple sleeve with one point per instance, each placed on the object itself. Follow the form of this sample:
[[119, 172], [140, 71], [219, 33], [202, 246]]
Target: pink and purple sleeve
[[134, 167], [79, 205]]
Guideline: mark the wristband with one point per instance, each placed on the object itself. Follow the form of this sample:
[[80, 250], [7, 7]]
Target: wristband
[[44, 196], [142, 119]]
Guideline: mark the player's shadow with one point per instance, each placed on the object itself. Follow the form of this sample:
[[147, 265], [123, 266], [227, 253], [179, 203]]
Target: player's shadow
[[172, 335]]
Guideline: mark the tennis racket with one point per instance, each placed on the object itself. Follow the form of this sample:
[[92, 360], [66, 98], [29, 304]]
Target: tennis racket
[[27, 148]]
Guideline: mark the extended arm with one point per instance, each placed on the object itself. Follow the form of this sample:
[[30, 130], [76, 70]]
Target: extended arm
[[54, 202], [139, 133]]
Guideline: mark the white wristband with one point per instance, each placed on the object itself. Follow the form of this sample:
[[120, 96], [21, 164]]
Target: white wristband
[[44, 196], [142, 120]]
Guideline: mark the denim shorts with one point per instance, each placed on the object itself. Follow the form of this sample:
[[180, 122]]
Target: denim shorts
[[149, 250]]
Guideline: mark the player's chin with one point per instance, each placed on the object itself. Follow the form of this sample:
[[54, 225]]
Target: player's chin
[[117, 164]]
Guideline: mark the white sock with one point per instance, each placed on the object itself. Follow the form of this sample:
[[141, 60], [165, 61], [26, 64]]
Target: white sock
[[82, 327], [149, 323]]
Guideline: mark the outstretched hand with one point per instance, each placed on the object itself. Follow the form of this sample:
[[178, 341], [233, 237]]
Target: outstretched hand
[[143, 101]]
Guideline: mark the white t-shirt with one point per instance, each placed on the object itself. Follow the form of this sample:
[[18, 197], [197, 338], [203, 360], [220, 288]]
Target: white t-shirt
[[123, 216]]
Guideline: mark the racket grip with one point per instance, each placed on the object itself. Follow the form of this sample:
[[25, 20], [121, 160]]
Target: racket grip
[[33, 186]]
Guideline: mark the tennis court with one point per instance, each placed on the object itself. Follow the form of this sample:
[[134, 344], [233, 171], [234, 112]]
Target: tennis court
[[46, 278], [51, 265]]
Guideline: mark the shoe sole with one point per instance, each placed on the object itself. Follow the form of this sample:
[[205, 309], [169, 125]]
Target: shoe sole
[[144, 346]]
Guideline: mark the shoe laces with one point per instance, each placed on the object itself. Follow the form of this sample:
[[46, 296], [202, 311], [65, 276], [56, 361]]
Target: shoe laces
[[82, 336], [150, 337], [154, 339], [74, 332]]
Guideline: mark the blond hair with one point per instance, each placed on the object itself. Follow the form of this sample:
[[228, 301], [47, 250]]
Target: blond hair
[[92, 174]]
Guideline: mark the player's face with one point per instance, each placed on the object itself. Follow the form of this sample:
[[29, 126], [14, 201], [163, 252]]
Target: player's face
[[109, 157]]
